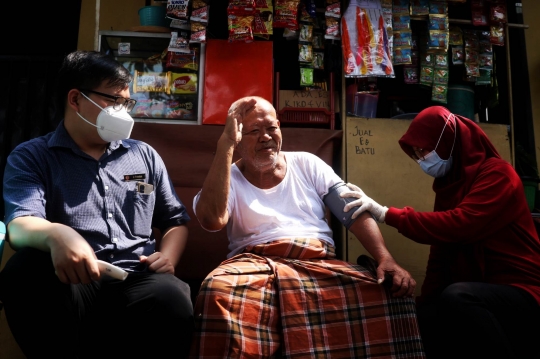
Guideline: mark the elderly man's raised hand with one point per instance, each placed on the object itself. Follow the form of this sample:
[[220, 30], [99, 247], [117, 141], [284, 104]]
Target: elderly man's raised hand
[[364, 203], [403, 284], [236, 114]]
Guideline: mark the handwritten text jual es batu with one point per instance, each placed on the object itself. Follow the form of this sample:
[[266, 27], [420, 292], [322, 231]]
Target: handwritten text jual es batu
[[363, 142]]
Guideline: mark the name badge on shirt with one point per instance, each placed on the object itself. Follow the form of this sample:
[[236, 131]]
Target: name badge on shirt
[[135, 177]]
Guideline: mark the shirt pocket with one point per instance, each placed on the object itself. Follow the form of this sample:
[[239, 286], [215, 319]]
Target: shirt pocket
[[139, 218]]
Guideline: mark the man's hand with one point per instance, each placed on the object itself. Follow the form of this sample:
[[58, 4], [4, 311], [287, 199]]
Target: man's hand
[[364, 203], [233, 124], [73, 259], [403, 284], [158, 262]]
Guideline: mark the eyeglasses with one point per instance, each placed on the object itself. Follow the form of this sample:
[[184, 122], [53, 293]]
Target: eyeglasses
[[418, 156], [119, 101]]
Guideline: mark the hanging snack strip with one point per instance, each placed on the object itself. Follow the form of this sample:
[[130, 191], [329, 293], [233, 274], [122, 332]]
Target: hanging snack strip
[[497, 18], [262, 20], [240, 15], [386, 8], [308, 15], [479, 13], [305, 53], [401, 24], [198, 21], [426, 69], [366, 48], [333, 15], [440, 78], [439, 35], [456, 44], [419, 7], [179, 42], [485, 61], [427, 60], [286, 14], [472, 46], [411, 73], [308, 20], [183, 61], [178, 11]]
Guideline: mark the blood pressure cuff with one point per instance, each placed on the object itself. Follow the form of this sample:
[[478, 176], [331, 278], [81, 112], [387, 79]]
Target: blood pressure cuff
[[336, 204]]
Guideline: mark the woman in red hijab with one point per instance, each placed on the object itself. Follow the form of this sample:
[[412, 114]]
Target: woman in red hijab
[[481, 294]]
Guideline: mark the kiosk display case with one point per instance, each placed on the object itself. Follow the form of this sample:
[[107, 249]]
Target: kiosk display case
[[167, 85]]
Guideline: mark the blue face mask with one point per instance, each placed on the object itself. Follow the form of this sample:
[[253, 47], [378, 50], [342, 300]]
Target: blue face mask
[[435, 166]]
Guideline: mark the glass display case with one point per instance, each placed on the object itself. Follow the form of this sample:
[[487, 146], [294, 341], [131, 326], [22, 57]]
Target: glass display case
[[167, 85]]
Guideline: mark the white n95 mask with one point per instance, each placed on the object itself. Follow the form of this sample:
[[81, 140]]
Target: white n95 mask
[[112, 125]]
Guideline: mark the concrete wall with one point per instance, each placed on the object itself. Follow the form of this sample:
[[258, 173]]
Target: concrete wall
[[117, 15]]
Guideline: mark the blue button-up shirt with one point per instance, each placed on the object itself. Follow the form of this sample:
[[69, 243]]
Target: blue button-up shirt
[[51, 178]]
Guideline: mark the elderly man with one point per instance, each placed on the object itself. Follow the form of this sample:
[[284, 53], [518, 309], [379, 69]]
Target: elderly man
[[282, 292]]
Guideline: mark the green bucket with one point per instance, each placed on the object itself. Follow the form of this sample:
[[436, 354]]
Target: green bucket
[[530, 186], [154, 16], [460, 100]]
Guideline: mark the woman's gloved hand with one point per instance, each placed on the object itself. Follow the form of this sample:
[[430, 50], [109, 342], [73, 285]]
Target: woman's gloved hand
[[364, 203]]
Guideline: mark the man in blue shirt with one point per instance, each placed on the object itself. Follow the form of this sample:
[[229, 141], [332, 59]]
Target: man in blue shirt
[[84, 193]]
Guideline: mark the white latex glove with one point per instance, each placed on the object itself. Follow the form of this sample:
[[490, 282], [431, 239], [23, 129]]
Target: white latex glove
[[364, 203]]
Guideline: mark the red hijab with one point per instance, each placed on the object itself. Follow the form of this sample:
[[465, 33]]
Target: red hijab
[[472, 147]]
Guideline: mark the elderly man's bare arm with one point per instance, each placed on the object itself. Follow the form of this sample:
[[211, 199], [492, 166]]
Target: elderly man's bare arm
[[367, 231], [211, 210]]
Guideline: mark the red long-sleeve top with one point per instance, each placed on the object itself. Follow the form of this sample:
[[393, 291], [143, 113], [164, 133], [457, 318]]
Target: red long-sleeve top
[[481, 228]]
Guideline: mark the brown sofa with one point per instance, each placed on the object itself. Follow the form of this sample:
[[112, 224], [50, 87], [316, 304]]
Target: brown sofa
[[188, 151]]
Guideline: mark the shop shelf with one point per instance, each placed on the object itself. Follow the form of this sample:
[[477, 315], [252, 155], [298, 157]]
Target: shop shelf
[[303, 115]]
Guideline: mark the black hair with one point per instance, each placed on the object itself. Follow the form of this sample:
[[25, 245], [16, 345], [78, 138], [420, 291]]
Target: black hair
[[88, 70]]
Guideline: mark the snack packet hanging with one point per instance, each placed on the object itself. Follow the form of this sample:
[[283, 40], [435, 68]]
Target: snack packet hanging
[[497, 35], [439, 93], [200, 12], [181, 61], [263, 19], [286, 14], [178, 42], [458, 55], [240, 28], [438, 7], [177, 9], [318, 60], [332, 28], [198, 32], [419, 7], [306, 76], [305, 52]]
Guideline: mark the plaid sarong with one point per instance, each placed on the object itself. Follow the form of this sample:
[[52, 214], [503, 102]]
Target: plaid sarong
[[291, 299]]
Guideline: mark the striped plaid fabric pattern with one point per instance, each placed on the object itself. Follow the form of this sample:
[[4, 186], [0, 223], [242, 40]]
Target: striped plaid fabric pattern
[[291, 299]]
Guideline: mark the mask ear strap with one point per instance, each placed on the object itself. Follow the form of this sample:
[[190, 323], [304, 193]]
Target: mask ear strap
[[88, 98], [455, 133]]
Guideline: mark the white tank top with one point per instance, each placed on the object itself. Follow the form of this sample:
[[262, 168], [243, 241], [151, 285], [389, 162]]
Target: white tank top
[[293, 208]]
